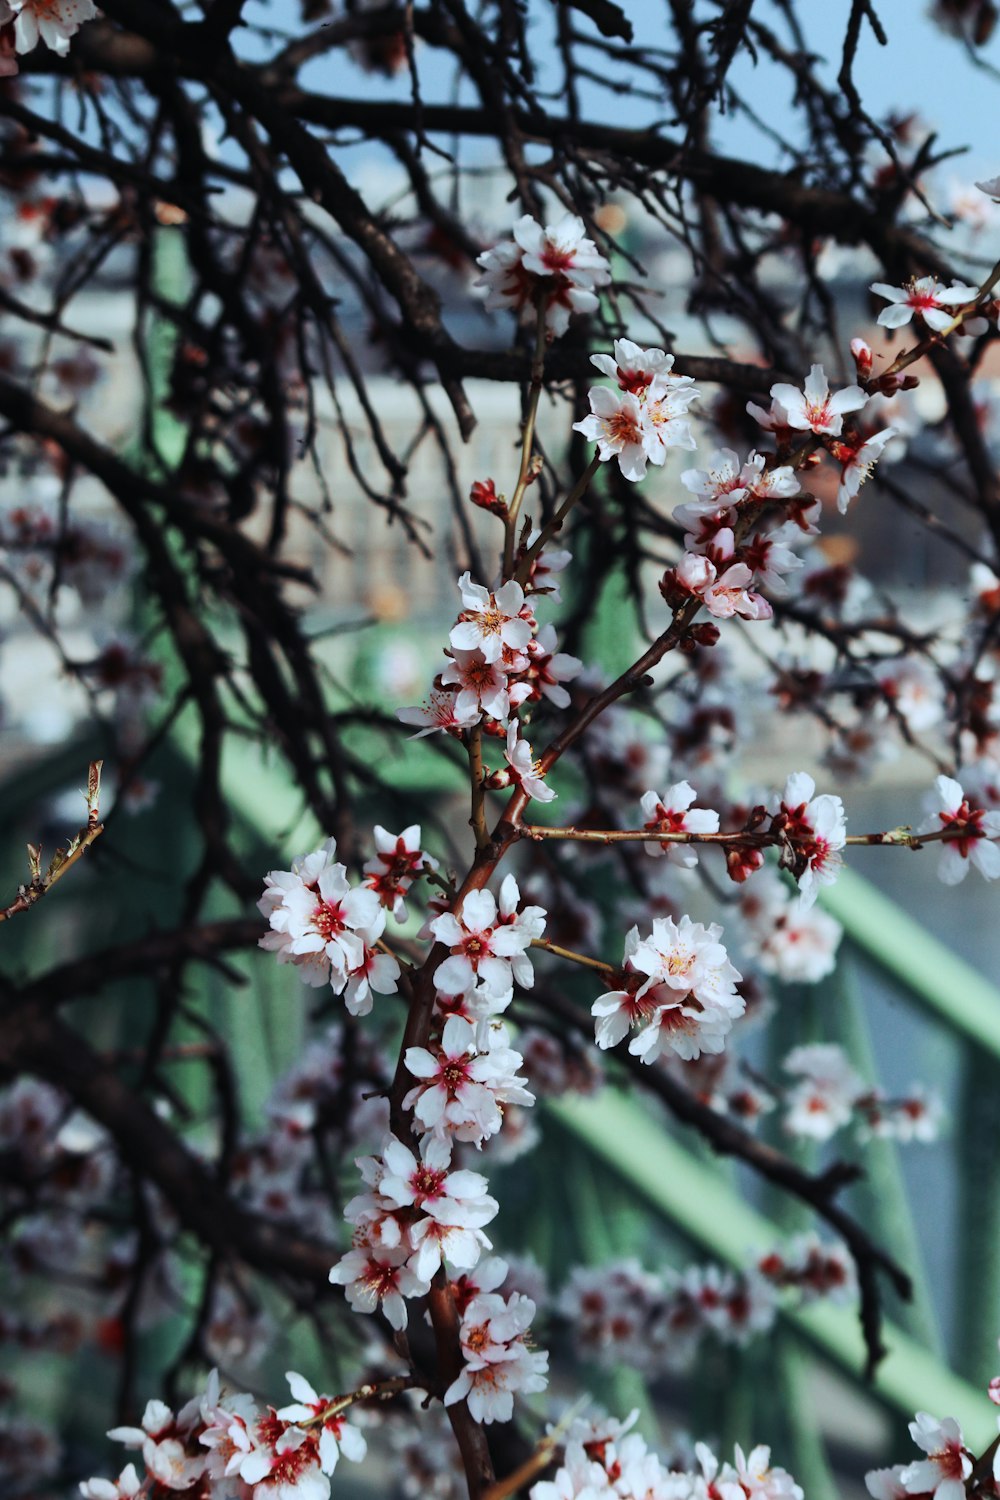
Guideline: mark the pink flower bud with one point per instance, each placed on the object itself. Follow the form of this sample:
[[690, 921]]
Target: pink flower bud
[[483, 493], [862, 358]]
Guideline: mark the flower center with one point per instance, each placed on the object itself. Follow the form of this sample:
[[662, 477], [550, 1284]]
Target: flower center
[[328, 919]]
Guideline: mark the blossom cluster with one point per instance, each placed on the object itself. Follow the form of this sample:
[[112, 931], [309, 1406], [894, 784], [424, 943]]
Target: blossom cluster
[[622, 1314], [221, 1438], [647, 415], [829, 1094], [678, 989], [332, 930], [500, 661], [556, 267], [604, 1457], [420, 1211]]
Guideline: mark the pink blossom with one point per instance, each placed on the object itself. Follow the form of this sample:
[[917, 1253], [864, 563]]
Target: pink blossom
[[824, 1100], [284, 1463], [673, 813], [815, 409], [935, 303], [378, 1278], [816, 829], [616, 425], [857, 463], [633, 367], [770, 559], [695, 573], [498, 1362], [487, 944], [396, 864], [549, 668], [51, 21], [441, 711], [524, 769], [491, 621], [482, 687], [459, 1089], [969, 833], [948, 1464], [125, 1487], [557, 262], [730, 595], [336, 1435]]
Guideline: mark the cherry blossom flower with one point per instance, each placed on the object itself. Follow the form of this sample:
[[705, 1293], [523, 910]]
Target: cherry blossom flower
[[673, 813], [915, 1116], [935, 303], [775, 419], [125, 1487], [491, 621], [548, 668], [164, 1451], [396, 864], [378, 1278], [730, 594], [315, 915], [458, 1089], [284, 1463], [816, 829], [694, 573], [524, 769], [441, 711], [498, 1362], [646, 415], [758, 1481], [617, 1011], [886, 1484], [51, 21], [376, 973], [796, 943], [948, 1463], [767, 555], [549, 562], [811, 1268], [456, 1203], [228, 1429], [703, 520], [693, 985], [857, 463], [336, 1435], [616, 425], [483, 687], [985, 586], [557, 262], [485, 942], [969, 833], [914, 688], [824, 1100], [667, 403], [814, 409], [633, 367]]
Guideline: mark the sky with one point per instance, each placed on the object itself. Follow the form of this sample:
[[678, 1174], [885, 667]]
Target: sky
[[921, 68]]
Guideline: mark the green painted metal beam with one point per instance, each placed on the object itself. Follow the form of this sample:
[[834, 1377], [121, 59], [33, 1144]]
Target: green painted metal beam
[[944, 984], [692, 1195]]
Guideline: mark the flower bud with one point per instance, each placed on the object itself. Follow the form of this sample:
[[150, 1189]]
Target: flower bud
[[862, 358], [483, 493]]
